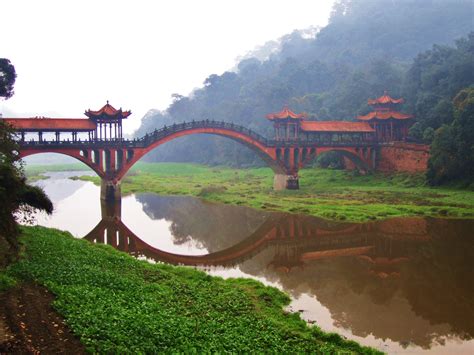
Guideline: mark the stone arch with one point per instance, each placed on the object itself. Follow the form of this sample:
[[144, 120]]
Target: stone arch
[[355, 158], [360, 163]]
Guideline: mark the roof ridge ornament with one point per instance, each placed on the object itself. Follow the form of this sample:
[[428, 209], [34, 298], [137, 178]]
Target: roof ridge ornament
[[385, 99], [286, 113]]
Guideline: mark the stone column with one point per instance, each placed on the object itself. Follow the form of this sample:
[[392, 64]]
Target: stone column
[[110, 190], [285, 181]]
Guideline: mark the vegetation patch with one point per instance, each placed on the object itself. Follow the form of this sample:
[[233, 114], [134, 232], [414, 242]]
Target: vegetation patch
[[115, 303], [6, 281]]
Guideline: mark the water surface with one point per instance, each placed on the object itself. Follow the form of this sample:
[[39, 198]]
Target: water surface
[[403, 285]]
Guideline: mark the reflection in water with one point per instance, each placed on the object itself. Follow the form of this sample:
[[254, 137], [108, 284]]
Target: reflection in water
[[402, 285], [404, 279]]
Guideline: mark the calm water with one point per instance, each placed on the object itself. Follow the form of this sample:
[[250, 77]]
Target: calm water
[[403, 285]]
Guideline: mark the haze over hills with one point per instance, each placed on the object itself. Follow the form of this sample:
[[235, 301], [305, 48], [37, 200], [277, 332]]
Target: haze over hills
[[367, 47]]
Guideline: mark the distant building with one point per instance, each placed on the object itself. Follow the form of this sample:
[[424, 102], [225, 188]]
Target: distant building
[[389, 124], [384, 124], [291, 126]]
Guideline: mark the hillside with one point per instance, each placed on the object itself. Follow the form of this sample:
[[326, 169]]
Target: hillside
[[367, 47]]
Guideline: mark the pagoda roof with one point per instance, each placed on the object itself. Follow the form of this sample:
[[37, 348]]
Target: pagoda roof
[[285, 114], [336, 126], [385, 99], [107, 112], [384, 115], [45, 124]]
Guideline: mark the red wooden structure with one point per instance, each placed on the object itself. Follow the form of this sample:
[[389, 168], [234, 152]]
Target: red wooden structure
[[297, 140], [109, 117], [389, 124]]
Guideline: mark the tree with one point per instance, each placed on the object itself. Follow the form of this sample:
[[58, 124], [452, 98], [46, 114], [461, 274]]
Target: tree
[[452, 151], [15, 194], [443, 163], [464, 123], [435, 77], [7, 78]]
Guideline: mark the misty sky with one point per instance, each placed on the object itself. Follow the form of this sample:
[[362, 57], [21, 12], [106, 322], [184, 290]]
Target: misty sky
[[74, 55]]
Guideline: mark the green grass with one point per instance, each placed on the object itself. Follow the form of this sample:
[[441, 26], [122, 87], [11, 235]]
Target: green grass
[[6, 281], [117, 304], [331, 194]]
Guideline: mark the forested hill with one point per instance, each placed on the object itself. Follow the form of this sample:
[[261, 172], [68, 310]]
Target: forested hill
[[368, 46]]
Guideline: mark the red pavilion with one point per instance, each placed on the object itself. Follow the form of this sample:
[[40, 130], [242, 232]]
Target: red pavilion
[[388, 122], [108, 117]]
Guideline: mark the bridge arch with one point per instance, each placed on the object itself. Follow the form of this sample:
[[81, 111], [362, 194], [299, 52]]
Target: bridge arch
[[244, 136], [360, 158], [83, 158]]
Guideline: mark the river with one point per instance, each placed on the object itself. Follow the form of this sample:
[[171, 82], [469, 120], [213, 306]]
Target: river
[[402, 285]]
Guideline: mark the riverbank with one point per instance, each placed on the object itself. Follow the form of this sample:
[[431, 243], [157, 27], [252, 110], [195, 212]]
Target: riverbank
[[330, 194], [35, 172], [115, 303]]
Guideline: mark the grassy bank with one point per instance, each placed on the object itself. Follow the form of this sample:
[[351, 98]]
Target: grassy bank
[[115, 303], [35, 172], [332, 194]]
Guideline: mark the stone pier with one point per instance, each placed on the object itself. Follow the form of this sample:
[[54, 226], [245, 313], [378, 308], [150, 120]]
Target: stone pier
[[110, 190], [285, 181]]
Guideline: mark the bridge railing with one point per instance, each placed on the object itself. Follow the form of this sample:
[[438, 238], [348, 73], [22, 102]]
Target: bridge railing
[[157, 134], [68, 143]]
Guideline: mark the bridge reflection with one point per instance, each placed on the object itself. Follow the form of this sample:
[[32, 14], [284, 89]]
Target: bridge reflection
[[294, 239]]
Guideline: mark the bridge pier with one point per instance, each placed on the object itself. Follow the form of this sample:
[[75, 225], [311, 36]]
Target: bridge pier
[[110, 190], [285, 181]]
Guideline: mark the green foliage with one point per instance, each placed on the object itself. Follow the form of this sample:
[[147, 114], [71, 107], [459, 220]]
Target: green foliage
[[433, 80], [115, 303], [6, 281], [452, 151], [428, 135], [7, 78]]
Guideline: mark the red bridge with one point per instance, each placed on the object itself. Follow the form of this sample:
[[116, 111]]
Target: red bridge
[[297, 140]]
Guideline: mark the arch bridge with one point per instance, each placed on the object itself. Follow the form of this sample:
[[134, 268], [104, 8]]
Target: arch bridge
[[111, 159], [296, 141]]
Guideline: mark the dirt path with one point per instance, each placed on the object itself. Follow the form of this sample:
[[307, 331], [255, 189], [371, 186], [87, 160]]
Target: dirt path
[[29, 325]]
